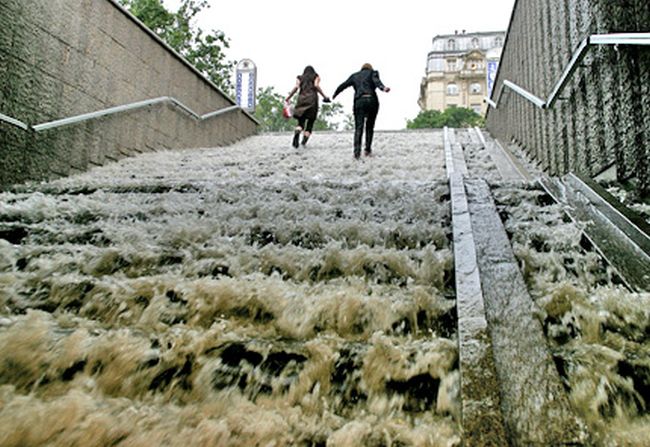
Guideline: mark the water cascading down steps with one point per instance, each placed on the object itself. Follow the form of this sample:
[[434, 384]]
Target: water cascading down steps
[[254, 294], [508, 367], [257, 294]]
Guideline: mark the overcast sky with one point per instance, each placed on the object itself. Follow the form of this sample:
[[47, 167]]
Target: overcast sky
[[338, 36]]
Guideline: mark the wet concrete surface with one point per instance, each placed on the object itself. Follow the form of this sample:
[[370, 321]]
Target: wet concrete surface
[[482, 421]]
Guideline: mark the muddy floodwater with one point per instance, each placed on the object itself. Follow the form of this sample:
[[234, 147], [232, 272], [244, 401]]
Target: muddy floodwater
[[597, 330], [253, 295], [261, 295]]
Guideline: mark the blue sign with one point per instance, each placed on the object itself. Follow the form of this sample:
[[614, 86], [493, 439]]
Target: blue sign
[[492, 68], [245, 84]]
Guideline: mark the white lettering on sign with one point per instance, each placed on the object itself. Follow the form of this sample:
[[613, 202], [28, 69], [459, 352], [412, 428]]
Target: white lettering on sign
[[246, 80]]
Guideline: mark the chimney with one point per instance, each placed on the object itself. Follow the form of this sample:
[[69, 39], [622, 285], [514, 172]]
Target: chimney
[[456, 31], [463, 31]]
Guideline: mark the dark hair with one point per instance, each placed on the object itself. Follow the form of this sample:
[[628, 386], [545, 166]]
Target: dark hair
[[366, 66], [308, 76], [309, 71]]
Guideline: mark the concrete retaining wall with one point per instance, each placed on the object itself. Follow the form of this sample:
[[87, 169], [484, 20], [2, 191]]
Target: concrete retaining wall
[[60, 58], [603, 120]]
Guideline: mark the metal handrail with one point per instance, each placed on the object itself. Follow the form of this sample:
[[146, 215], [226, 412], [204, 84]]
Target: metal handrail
[[578, 55], [117, 109], [13, 121], [75, 119]]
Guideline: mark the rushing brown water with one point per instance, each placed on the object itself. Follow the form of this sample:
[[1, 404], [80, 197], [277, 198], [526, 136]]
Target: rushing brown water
[[598, 331], [252, 295], [256, 295]]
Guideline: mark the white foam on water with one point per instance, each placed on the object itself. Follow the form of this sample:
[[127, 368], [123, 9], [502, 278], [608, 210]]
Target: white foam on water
[[597, 330], [247, 295]]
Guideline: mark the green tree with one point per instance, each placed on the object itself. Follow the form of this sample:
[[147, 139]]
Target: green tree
[[269, 113], [452, 117], [203, 50], [348, 122], [426, 119], [329, 116]]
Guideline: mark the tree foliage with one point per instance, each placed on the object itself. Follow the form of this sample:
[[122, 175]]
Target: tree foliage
[[330, 117], [452, 117], [269, 113], [203, 50]]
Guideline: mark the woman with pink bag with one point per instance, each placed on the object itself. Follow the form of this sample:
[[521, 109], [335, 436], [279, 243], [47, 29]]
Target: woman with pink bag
[[306, 108]]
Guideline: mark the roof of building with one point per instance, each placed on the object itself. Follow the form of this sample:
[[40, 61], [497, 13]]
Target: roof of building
[[464, 33], [463, 41]]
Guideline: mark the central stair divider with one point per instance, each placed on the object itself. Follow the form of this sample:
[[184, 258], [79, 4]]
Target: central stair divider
[[481, 418], [534, 403]]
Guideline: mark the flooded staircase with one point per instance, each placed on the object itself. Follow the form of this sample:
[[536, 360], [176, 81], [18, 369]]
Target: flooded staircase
[[258, 294]]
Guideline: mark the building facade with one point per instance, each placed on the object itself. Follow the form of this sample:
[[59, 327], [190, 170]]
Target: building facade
[[460, 70]]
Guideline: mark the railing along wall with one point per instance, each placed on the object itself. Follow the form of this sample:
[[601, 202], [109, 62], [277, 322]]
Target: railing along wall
[[84, 82], [572, 66], [77, 119], [593, 59]]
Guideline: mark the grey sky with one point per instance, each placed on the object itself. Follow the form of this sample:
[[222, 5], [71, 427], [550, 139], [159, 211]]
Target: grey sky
[[338, 36]]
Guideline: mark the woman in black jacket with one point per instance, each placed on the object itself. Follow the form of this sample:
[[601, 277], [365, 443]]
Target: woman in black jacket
[[366, 104]]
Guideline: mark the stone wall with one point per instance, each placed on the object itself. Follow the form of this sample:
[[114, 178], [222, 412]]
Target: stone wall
[[603, 118], [60, 58]]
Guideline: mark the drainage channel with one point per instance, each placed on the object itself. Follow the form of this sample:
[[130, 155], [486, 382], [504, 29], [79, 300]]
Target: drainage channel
[[513, 365]]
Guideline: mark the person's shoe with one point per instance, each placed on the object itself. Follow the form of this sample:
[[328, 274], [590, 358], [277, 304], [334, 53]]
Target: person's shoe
[[367, 153], [304, 140], [296, 139]]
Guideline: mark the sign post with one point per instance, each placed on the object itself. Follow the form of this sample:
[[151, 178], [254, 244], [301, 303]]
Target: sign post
[[245, 85]]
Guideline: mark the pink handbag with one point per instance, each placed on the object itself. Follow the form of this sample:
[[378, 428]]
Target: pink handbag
[[287, 110]]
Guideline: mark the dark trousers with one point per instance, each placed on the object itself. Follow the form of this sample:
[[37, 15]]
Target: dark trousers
[[310, 123], [365, 112]]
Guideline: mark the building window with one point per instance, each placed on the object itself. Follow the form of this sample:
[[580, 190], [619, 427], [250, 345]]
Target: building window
[[451, 44], [474, 42], [436, 64], [452, 89], [476, 108], [451, 65], [475, 88], [498, 42]]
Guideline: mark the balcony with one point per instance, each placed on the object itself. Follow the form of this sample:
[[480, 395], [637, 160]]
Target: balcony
[[478, 73]]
